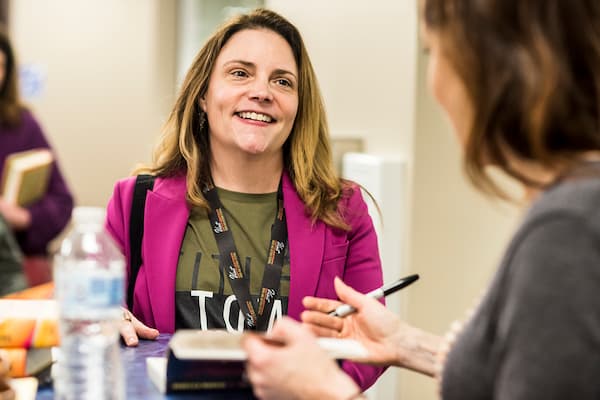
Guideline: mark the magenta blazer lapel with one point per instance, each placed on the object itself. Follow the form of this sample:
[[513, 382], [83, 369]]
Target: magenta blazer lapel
[[166, 217], [306, 243]]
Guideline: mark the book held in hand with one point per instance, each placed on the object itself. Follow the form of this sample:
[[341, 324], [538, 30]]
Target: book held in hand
[[25, 176], [211, 360]]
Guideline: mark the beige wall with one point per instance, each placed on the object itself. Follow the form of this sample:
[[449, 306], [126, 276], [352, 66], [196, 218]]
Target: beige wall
[[365, 62], [110, 68], [110, 77]]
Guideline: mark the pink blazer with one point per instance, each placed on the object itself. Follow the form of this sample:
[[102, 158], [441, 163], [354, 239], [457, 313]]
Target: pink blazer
[[318, 253]]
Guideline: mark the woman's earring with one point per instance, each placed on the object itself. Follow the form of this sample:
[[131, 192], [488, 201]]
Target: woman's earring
[[202, 121]]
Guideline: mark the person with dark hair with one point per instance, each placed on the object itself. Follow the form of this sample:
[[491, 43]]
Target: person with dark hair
[[520, 83], [36, 224], [246, 216]]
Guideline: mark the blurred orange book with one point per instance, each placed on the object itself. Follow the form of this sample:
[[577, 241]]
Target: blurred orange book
[[43, 291], [28, 323], [27, 362]]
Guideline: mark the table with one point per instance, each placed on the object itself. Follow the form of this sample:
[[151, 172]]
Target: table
[[139, 386]]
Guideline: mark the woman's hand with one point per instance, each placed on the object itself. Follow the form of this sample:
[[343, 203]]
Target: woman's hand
[[19, 218], [388, 340], [372, 324], [132, 329], [296, 368]]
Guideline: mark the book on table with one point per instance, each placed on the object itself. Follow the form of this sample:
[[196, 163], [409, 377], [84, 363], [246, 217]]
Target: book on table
[[44, 291], [199, 360], [25, 176], [28, 323], [34, 361], [29, 336]]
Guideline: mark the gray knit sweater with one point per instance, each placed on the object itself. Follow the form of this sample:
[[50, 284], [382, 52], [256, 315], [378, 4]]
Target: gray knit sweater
[[536, 334]]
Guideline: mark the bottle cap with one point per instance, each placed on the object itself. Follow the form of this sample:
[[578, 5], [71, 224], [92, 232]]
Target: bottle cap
[[88, 215]]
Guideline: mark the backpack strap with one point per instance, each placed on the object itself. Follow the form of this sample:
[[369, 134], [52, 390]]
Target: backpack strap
[[143, 183]]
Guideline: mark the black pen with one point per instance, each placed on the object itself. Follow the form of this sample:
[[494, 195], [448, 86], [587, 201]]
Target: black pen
[[346, 309]]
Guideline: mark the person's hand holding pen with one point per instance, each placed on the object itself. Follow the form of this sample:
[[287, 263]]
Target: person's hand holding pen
[[290, 364], [388, 339], [372, 324]]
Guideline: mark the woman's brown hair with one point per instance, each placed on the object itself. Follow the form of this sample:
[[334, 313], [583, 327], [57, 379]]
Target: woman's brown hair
[[10, 104], [185, 148], [531, 69]]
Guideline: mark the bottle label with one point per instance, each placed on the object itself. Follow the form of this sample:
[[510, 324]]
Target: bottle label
[[90, 291]]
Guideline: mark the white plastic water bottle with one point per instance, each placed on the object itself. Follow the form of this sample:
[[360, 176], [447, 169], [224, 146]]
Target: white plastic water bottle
[[88, 278]]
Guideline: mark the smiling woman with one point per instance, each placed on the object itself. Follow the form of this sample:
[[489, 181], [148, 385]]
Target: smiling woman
[[246, 216]]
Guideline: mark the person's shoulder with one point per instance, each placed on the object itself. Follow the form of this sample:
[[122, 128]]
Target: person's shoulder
[[578, 198], [563, 218], [26, 112], [126, 181], [170, 187], [27, 117], [123, 192], [558, 237], [349, 185], [29, 125], [352, 204], [352, 194], [123, 189]]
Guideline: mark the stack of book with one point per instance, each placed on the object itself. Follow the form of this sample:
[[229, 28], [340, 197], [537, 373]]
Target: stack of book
[[28, 334]]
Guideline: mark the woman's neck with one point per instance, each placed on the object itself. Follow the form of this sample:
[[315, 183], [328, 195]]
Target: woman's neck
[[541, 176], [247, 175], [548, 176]]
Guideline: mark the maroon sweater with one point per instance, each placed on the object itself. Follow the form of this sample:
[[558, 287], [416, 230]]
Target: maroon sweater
[[50, 214]]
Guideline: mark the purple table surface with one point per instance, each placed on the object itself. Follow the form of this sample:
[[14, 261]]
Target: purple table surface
[[138, 384]]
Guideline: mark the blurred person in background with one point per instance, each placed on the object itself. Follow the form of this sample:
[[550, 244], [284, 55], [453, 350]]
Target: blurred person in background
[[34, 225], [520, 83]]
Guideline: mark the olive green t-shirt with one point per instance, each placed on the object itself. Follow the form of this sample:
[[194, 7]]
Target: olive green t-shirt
[[204, 298]]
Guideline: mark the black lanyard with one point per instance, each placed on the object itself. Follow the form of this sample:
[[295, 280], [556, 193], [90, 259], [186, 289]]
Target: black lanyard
[[229, 261]]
